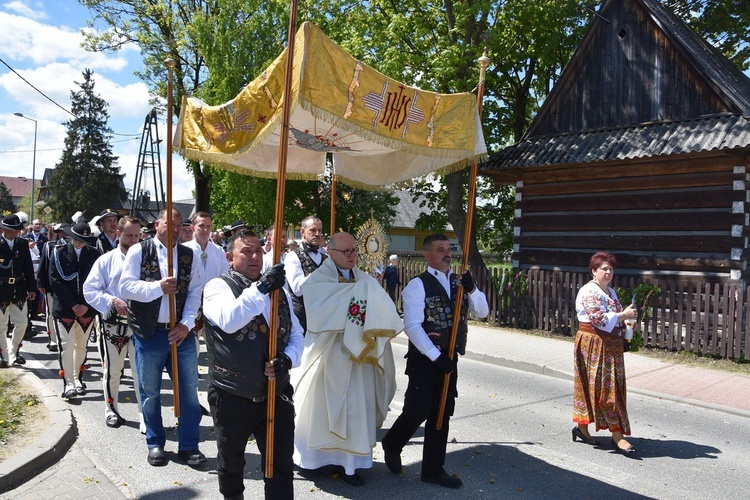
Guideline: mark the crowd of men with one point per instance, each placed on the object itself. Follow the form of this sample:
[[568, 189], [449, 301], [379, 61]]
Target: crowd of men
[[109, 280]]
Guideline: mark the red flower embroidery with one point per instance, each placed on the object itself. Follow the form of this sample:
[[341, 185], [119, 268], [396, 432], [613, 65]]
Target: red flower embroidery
[[354, 309]]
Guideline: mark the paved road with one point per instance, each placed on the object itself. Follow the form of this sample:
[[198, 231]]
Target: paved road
[[524, 423]]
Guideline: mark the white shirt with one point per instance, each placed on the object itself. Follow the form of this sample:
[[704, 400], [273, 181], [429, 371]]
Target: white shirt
[[230, 314], [101, 286], [213, 265], [133, 288], [413, 297], [295, 276]]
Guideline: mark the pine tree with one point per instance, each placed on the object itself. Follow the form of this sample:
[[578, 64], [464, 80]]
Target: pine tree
[[6, 200], [87, 177]]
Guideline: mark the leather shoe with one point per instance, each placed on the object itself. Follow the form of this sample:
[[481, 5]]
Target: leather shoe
[[192, 457], [354, 479], [80, 390], [443, 479], [628, 452], [114, 421], [393, 460], [3, 363], [20, 360], [52, 347], [69, 394], [157, 457]]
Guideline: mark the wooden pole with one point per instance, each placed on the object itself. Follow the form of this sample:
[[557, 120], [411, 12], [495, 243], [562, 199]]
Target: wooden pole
[[483, 62], [278, 229], [170, 63], [332, 229]]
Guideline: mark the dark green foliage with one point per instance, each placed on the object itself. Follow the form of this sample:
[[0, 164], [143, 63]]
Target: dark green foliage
[[6, 200], [86, 178]]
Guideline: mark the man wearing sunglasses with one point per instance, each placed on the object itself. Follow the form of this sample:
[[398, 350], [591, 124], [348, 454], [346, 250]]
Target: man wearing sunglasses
[[347, 376]]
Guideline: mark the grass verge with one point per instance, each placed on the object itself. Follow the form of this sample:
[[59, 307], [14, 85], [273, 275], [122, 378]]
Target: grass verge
[[17, 408]]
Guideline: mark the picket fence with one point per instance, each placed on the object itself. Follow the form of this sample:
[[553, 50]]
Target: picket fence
[[687, 315]]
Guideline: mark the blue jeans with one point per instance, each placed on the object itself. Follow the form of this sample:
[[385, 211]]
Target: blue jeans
[[151, 357]]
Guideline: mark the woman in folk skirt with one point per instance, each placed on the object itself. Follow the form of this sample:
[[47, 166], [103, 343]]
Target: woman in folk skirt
[[599, 392]]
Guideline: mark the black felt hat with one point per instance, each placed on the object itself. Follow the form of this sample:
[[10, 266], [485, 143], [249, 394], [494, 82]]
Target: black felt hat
[[107, 213], [80, 231], [12, 222]]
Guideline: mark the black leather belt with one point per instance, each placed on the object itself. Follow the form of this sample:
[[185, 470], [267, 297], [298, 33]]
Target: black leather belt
[[163, 325], [12, 280]]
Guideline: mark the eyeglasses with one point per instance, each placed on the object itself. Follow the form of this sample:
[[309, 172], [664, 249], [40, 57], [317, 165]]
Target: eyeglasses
[[348, 253]]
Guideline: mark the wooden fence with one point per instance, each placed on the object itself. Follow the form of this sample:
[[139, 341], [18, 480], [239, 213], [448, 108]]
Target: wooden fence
[[690, 315]]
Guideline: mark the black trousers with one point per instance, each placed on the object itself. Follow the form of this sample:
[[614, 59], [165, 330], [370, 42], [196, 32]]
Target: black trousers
[[235, 419], [422, 402]]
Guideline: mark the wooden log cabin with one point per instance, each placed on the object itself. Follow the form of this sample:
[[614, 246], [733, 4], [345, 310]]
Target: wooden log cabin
[[642, 149]]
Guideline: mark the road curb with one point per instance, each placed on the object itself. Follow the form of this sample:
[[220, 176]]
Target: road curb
[[47, 448]]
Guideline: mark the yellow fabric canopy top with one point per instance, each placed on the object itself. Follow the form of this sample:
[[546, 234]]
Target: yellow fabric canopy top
[[379, 131]]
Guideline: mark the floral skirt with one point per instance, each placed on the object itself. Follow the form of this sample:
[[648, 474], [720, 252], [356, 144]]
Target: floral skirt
[[599, 391]]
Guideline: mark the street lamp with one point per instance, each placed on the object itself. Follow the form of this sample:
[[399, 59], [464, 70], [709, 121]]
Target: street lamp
[[33, 168]]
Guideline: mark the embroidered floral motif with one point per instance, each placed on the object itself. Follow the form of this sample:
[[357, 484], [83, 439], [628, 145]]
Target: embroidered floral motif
[[356, 313]]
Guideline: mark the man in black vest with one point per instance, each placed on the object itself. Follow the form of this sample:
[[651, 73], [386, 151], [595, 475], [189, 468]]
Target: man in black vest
[[236, 306], [70, 264], [303, 261], [429, 305], [145, 284], [42, 280], [17, 287], [107, 222]]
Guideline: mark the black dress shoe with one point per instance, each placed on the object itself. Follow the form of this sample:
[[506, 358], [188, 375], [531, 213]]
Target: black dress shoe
[[192, 457], [354, 479], [628, 452], [20, 360], [80, 390], [114, 421], [444, 479], [393, 460], [157, 456], [52, 347], [580, 435], [69, 394], [3, 363]]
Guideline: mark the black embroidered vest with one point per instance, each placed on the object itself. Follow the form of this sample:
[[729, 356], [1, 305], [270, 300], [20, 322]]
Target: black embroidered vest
[[308, 266], [142, 316], [236, 361], [439, 310]]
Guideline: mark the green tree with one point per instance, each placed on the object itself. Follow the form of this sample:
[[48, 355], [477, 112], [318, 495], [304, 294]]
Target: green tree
[[86, 178], [724, 23], [6, 200]]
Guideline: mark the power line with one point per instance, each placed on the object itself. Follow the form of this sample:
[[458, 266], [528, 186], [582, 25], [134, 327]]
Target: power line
[[33, 87], [52, 100], [53, 149]]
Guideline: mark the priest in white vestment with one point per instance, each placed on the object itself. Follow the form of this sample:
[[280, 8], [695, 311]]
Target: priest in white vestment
[[347, 377]]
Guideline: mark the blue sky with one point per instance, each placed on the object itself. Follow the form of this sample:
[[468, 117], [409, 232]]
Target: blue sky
[[41, 41]]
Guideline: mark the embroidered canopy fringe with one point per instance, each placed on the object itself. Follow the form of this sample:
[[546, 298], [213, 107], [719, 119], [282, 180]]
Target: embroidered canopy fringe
[[379, 131]]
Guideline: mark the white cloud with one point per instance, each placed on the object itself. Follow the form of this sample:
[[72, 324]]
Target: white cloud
[[35, 11], [24, 39]]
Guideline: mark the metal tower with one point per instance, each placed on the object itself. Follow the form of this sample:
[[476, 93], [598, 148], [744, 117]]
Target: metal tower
[[141, 203]]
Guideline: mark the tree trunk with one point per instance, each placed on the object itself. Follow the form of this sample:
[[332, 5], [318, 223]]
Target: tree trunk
[[457, 217], [202, 193]]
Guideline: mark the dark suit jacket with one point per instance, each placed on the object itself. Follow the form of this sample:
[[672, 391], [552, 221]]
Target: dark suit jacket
[[16, 265], [69, 292]]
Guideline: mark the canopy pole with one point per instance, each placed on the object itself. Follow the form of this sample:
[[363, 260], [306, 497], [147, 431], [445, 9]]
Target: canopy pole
[[332, 229], [483, 62], [278, 229], [170, 64]]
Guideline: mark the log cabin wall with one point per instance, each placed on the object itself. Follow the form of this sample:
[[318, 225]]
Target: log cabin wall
[[674, 217]]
